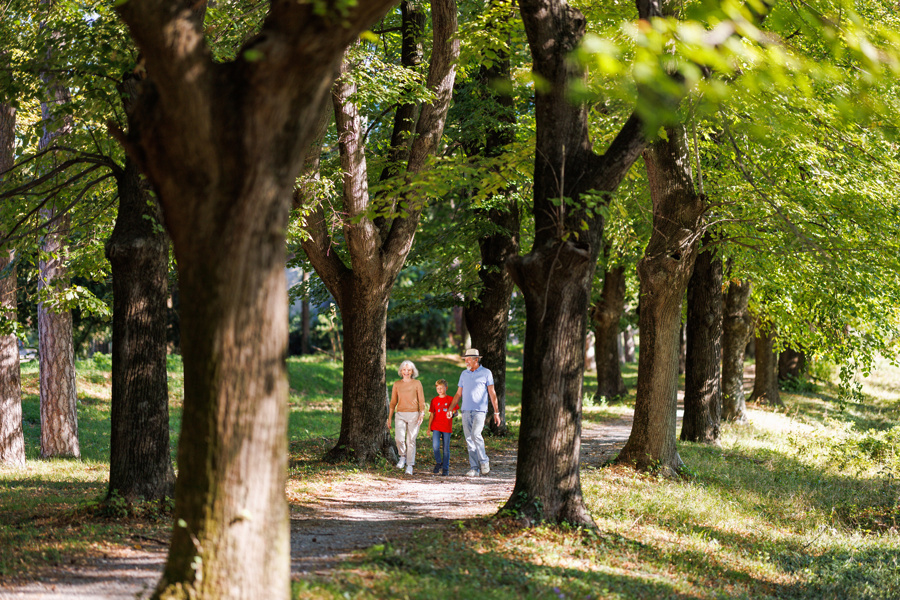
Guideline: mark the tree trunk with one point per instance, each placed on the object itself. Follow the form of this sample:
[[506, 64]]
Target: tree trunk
[[664, 272], [140, 465], [377, 247], [12, 441], [628, 345], [765, 385], [682, 350], [304, 317], [590, 351], [56, 352], [459, 340], [606, 314], [487, 317], [555, 277], [365, 357], [736, 328], [59, 413], [221, 144], [791, 364], [703, 374]]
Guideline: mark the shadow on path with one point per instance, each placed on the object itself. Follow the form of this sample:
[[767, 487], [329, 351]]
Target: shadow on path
[[355, 514]]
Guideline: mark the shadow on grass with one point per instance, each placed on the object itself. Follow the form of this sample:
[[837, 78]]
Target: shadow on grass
[[779, 482], [448, 565]]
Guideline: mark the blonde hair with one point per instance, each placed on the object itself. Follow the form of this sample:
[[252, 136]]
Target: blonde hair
[[411, 365], [442, 382]]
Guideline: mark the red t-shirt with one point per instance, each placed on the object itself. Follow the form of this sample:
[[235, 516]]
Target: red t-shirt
[[441, 420]]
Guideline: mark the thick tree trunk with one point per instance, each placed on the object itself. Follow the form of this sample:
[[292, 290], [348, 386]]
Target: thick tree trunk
[[12, 441], [791, 364], [222, 144], [59, 414], [140, 462], [703, 374], [364, 435], [736, 327], [555, 277], [765, 385], [605, 315], [487, 317], [377, 247], [664, 272], [232, 454], [548, 481], [56, 352]]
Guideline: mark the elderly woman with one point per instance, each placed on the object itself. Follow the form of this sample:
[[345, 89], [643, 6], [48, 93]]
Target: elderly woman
[[408, 402]]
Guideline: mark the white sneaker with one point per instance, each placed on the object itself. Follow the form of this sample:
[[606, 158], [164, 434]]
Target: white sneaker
[[485, 468], [471, 473], [401, 463], [409, 469]]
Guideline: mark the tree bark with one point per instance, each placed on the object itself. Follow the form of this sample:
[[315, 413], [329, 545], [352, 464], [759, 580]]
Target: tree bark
[[663, 272], [555, 277], [791, 364], [59, 414], [140, 465], [605, 315], [12, 441], [703, 373], [378, 248], [221, 144], [56, 352], [487, 317], [765, 385], [736, 327]]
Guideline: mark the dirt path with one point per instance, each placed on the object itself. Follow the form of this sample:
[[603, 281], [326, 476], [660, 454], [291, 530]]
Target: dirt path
[[354, 514]]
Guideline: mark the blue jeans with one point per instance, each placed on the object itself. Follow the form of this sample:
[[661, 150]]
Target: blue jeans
[[473, 425], [441, 439]]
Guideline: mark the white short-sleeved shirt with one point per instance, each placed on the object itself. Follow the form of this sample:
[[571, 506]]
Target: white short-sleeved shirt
[[474, 386]]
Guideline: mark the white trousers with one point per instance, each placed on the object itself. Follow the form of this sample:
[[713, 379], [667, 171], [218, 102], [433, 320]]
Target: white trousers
[[406, 429]]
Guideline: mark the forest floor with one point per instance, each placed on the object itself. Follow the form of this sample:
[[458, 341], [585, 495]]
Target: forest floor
[[363, 510]]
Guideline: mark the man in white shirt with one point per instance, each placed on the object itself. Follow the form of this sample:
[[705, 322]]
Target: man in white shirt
[[475, 388]]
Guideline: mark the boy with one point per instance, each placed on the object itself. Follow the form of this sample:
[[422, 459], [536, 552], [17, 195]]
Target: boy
[[440, 425]]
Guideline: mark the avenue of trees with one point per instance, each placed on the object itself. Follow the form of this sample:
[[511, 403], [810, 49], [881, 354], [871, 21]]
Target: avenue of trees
[[723, 168]]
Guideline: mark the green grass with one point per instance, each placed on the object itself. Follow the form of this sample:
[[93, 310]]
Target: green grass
[[774, 512], [801, 503]]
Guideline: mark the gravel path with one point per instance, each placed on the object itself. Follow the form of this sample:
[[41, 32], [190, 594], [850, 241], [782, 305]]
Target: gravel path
[[354, 514]]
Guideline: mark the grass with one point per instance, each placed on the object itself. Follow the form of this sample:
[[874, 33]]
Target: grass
[[801, 503]]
